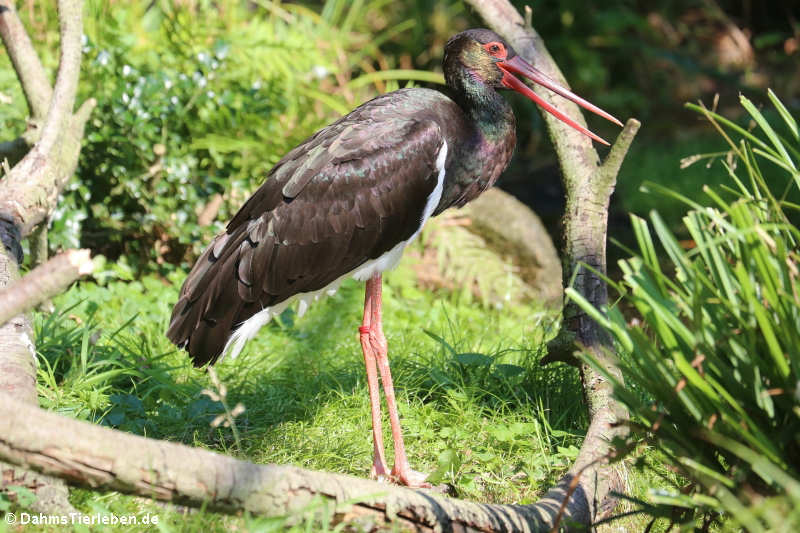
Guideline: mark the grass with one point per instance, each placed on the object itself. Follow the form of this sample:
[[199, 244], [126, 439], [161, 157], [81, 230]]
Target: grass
[[478, 411], [673, 164], [715, 348], [658, 161], [495, 425]]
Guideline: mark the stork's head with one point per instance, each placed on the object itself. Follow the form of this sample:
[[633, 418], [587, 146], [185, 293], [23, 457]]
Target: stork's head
[[487, 59]]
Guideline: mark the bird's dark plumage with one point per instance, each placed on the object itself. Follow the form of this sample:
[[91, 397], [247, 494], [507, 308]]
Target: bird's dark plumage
[[355, 191], [346, 195]]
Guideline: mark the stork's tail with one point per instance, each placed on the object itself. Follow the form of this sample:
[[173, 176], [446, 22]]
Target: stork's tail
[[209, 303]]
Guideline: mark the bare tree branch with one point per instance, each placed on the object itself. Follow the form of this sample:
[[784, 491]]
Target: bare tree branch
[[18, 379], [17, 352], [69, 68], [588, 186], [43, 283], [29, 69], [28, 194], [30, 191]]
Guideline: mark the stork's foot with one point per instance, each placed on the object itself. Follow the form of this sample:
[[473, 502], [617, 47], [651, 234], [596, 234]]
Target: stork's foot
[[410, 478], [380, 472]]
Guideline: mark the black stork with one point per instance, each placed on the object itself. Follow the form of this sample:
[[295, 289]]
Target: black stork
[[346, 202]]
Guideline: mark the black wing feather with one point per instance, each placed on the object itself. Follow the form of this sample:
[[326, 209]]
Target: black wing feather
[[347, 195]]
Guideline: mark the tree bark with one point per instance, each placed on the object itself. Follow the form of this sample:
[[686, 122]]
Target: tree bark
[[588, 185], [28, 195], [30, 191], [30, 72], [43, 283]]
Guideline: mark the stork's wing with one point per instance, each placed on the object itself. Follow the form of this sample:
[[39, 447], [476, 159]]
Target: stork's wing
[[346, 195]]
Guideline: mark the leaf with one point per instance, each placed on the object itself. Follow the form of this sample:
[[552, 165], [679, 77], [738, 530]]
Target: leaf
[[448, 462], [473, 359], [508, 371], [570, 453], [523, 428], [115, 417], [440, 377], [25, 496], [785, 115], [440, 340], [766, 128], [501, 432]]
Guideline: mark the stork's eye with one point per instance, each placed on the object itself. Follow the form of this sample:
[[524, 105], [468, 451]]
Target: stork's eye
[[496, 49]]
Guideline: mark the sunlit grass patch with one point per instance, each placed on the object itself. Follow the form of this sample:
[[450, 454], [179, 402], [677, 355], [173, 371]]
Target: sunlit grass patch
[[478, 412]]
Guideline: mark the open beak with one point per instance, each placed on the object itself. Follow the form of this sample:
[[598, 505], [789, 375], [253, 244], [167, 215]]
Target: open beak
[[517, 65]]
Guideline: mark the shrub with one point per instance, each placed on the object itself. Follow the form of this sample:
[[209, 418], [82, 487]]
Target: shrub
[[712, 368], [197, 101]]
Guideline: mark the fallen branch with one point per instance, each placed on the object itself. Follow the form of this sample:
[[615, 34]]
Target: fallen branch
[[93, 456], [43, 283]]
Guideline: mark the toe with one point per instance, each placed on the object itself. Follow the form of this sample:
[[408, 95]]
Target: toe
[[413, 479]]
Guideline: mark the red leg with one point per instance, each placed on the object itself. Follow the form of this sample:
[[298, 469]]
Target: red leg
[[401, 471], [380, 470]]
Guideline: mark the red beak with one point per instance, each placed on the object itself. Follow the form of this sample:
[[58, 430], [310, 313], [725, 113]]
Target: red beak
[[517, 65]]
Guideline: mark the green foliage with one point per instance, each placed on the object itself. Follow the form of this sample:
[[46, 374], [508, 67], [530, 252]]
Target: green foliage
[[712, 368], [16, 496], [478, 411], [200, 100]]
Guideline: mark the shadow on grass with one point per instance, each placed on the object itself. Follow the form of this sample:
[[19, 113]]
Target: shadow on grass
[[302, 382]]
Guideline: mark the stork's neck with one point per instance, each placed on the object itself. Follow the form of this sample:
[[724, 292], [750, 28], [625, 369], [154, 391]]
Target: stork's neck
[[484, 143], [489, 112]]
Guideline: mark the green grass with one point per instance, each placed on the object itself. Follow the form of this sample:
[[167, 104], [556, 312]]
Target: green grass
[[478, 411], [659, 162], [672, 164], [711, 368]]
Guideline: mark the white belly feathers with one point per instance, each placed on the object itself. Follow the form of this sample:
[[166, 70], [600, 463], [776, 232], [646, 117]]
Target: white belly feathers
[[385, 262]]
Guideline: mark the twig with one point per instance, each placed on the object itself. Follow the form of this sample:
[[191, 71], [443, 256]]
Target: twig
[[66, 87], [613, 162], [43, 282]]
